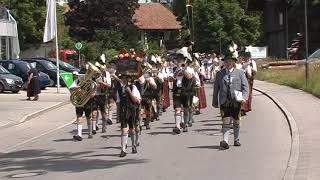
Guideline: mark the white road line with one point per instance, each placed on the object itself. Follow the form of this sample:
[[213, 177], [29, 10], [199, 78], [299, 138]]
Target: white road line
[[16, 147]]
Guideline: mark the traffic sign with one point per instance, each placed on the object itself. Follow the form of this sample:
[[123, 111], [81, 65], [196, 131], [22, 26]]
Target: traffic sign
[[78, 45]]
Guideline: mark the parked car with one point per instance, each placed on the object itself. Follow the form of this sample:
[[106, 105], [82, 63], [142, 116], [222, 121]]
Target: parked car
[[62, 65], [9, 82], [46, 67], [21, 68]]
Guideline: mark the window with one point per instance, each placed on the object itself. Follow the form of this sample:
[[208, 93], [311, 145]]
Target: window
[[281, 18], [3, 48]]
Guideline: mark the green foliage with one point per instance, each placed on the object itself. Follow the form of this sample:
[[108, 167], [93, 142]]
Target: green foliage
[[30, 16], [110, 54], [103, 26], [226, 20], [179, 8], [154, 48]]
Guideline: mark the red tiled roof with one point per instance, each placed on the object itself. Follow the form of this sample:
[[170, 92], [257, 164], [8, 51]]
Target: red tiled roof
[[155, 16]]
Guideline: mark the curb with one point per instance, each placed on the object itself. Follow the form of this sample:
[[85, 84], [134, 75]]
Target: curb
[[295, 142], [42, 111]]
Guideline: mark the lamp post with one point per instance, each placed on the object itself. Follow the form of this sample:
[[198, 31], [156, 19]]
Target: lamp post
[[306, 41]]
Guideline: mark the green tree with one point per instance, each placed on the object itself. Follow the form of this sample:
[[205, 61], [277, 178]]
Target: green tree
[[225, 20], [30, 16], [102, 25]]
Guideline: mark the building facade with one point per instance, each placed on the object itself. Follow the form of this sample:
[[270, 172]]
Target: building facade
[[9, 43]]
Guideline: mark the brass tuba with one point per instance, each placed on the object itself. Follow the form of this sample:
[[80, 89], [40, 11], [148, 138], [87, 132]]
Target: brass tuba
[[80, 96]]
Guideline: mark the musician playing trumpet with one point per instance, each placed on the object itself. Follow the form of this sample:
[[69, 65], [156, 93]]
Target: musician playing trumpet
[[129, 98]]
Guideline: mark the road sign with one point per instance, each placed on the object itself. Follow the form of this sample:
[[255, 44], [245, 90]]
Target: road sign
[[78, 45]]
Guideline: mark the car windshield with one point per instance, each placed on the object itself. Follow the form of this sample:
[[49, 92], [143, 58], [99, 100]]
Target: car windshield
[[3, 70], [316, 54], [67, 65], [49, 65]]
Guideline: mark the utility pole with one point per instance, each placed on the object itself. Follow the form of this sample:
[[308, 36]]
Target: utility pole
[[306, 41]]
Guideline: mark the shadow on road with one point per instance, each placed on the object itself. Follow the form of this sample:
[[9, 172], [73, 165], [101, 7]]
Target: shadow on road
[[202, 130], [45, 160], [159, 133], [207, 147], [63, 140]]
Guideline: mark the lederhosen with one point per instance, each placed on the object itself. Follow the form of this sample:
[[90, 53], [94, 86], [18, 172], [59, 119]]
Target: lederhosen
[[101, 98], [128, 110], [146, 102], [189, 88], [176, 95], [231, 108], [158, 96]]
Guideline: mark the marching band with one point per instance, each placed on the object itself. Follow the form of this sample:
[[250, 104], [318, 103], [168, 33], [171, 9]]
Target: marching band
[[140, 88]]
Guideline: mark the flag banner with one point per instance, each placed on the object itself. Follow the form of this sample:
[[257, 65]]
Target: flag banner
[[67, 78], [51, 22]]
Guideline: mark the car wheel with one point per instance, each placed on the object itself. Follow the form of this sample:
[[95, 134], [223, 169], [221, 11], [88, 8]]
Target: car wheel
[[1, 87], [16, 91]]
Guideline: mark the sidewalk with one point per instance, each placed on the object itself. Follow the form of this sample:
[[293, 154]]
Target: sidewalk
[[14, 108], [304, 108]]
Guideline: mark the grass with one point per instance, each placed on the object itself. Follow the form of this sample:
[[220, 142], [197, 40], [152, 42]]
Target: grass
[[294, 78]]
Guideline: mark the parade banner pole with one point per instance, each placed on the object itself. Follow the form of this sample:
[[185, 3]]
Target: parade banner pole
[[57, 61]]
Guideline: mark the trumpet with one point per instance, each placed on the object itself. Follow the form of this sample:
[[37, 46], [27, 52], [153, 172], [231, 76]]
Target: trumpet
[[80, 96]]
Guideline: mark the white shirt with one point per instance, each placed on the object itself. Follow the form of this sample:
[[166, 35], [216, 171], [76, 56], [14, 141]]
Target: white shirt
[[249, 67], [135, 93], [198, 81]]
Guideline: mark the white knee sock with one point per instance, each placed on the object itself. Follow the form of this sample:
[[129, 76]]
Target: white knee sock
[[110, 114], [94, 124], [79, 127], [124, 141], [178, 119]]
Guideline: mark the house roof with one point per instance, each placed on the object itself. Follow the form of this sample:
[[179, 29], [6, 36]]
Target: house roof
[[155, 16]]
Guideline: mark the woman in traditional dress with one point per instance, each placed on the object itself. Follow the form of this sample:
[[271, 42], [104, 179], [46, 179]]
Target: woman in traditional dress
[[33, 89], [250, 70]]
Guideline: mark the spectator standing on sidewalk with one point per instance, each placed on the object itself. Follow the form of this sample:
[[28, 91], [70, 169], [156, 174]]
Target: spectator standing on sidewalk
[[230, 91], [33, 89]]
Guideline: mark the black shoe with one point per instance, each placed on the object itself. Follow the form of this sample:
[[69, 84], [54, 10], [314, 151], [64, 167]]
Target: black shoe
[[243, 113], [164, 110], [224, 145], [158, 119], [185, 129], [104, 129], [122, 154], [134, 150], [176, 130], [94, 132], [28, 99], [109, 122], [196, 112], [189, 124], [77, 138], [90, 136], [97, 128], [137, 144], [237, 143], [147, 127]]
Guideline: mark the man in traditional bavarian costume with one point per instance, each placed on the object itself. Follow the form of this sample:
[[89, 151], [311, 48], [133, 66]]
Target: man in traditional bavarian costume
[[230, 91], [159, 80], [129, 98], [103, 84], [87, 109], [177, 92], [189, 90], [149, 86]]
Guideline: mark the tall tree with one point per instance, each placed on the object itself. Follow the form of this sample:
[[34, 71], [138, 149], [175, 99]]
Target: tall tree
[[224, 21], [86, 17], [30, 16]]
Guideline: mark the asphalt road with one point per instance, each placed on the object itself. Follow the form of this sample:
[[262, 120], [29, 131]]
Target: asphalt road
[[264, 153]]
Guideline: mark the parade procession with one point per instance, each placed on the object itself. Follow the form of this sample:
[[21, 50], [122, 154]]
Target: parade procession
[[159, 89], [141, 88]]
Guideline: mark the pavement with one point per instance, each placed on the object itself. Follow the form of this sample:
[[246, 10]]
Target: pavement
[[14, 108], [304, 108], [42, 148]]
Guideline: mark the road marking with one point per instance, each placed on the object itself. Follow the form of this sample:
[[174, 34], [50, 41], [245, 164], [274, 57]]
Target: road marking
[[16, 147]]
